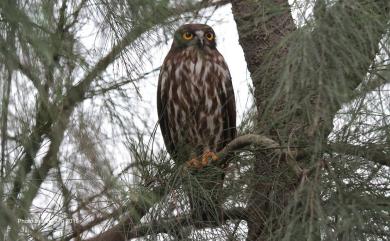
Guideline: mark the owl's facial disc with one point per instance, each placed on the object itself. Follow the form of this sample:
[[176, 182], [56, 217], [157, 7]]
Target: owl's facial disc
[[196, 35]]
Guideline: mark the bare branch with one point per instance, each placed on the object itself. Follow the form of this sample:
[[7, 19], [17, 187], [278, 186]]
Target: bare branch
[[284, 153]]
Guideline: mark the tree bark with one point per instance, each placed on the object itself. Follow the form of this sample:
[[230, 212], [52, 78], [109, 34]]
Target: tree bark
[[265, 28], [262, 25]]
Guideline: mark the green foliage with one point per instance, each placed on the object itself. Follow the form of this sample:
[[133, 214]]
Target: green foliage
[[334, 77], [78, 157]]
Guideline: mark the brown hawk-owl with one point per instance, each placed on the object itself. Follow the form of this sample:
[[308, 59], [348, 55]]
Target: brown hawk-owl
[[195, 100]]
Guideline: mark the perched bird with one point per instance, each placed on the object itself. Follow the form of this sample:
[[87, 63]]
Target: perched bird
[[196, 107]]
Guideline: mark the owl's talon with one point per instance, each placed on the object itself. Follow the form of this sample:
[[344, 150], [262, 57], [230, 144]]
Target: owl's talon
[[194, 163], [206, 158]]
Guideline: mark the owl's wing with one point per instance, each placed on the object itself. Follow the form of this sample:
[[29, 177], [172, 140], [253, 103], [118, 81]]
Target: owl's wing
[[228, 107], [162, 110]]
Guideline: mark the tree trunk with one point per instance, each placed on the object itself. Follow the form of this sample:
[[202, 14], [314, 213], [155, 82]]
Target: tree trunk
[[290, 115], [262, 25]]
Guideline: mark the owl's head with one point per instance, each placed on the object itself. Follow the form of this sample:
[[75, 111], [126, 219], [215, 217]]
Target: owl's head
[[199, 35]]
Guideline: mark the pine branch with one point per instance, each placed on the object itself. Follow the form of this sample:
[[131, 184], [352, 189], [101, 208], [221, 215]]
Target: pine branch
[[40, 173], [77, 93], [118, 84], [287, 154], [6, 90], [173, 225], [137, 208], [376, 153], [135, 211], [127, 228], [15, 62], [168, 226]]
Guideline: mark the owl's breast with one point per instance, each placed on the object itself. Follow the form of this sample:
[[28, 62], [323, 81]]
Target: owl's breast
[[197, 93], [192, 84]]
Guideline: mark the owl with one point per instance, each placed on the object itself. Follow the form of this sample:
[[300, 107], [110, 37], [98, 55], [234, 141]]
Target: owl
[[196, 104]]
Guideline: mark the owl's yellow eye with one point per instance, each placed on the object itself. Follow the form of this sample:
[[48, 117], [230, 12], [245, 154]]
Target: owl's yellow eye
[[209, 36], [188, 36]]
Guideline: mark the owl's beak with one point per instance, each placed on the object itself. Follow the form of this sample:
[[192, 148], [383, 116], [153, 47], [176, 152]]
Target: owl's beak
[[200, 42], [200, 35]]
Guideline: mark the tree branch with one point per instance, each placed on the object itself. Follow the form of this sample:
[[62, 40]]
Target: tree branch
[[127, 229], [284, 153], [169, 226], [119, 84], [377, 153], [6, 90], [14, 61], [40, 173], [31, 145], [172, 225], [135, 211], [77, 92]]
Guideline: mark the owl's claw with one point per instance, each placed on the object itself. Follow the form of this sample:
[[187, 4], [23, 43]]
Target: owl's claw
[[194, 163], [206, 158]]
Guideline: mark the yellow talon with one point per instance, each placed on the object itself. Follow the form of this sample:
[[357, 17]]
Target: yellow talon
[[206, 158], [194, 163]]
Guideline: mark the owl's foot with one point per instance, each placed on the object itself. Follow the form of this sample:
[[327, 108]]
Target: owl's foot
[[206, 158], [194, 163]]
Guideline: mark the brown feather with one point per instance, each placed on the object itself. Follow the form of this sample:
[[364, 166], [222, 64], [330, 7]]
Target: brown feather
[[195, 97], [196, 109]]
